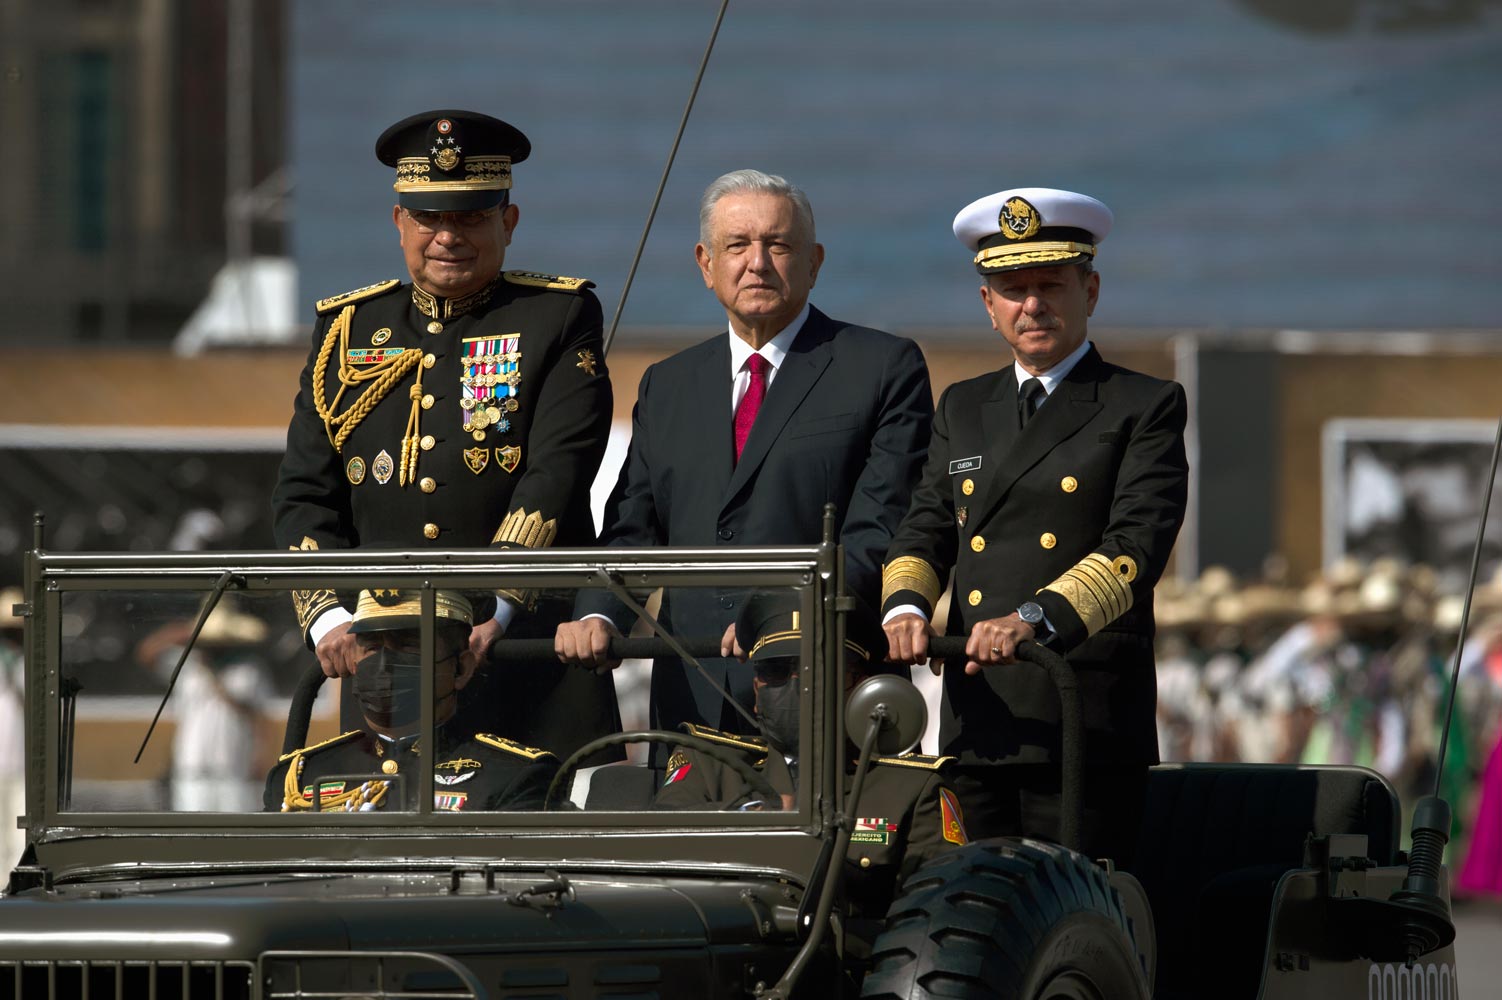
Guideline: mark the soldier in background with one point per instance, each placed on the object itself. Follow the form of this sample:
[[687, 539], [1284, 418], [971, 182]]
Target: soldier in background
[[468, 406]]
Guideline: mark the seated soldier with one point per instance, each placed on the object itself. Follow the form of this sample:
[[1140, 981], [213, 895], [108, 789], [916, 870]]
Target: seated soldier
[[470, 773], [905, 816]]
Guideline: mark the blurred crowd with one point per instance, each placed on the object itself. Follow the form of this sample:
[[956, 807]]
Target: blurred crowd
[[1353, 667]]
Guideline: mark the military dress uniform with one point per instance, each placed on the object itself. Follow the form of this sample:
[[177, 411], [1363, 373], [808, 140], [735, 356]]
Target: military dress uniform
[[1076, 511], [423, 422], [480, 772], [907, 814]]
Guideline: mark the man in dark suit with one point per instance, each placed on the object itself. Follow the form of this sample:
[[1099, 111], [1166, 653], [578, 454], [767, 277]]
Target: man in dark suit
[[744, 438], [469, 407], [1054, 490]]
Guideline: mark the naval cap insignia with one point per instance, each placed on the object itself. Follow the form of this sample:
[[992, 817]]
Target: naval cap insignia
[[445, 126], [1018, 219]]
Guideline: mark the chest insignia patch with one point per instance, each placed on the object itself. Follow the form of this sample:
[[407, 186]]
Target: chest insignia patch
[[459, 770], [476, 459], [381, 336], [326, 789], [677, 774], [510, 456], [961, 515], [372, 355], [450, 801], [355, 470], [873, 830], [587, 362], [489, 376], [960, 465], [382, 467], [952, 817]]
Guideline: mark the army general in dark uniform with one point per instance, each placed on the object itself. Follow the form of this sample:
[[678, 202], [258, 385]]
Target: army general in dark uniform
[[1053, 492], [466, 407]]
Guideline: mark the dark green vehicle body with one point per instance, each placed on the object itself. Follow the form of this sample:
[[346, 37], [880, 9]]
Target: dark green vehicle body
[[110, 900]]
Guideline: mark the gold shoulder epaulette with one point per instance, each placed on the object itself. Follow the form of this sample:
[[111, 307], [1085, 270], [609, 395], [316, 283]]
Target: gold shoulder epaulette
[[368, 292], [918, 760], [511, 746], [319, 746], [557, 282], [729, 739]]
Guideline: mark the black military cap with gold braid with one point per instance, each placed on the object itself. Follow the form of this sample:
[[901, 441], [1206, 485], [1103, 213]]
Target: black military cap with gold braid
[[770, 626], [1031, 227], [451, 161], [389, 610]]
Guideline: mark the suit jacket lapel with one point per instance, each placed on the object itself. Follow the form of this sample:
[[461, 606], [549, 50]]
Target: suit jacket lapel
[[713, 426], [998, 427], [805, 362], [1069, 408]]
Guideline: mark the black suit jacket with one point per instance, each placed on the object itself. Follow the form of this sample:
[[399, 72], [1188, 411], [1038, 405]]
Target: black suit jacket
[[845, 421], [1078, 512]]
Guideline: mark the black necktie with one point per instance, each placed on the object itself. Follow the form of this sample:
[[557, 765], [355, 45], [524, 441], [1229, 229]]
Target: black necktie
[[1029, 395]]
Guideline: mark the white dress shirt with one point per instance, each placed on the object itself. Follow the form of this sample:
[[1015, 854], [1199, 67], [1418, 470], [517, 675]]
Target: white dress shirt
[[774, 350]]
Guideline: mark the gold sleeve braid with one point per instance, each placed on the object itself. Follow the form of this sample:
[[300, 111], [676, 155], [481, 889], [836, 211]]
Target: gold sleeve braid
[[309, 604], [529, 531], [910, 573], [1098, 588]]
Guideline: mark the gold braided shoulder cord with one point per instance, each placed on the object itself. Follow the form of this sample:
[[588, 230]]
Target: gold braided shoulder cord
[[369, 793], [383, 377]]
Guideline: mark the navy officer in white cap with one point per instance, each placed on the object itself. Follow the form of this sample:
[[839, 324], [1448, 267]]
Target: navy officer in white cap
[[1053, 492]]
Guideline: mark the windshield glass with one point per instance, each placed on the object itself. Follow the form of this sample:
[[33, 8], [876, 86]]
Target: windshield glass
[[250, 722]]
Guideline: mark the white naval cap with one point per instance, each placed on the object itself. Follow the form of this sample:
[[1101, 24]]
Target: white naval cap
[[1031, 227]]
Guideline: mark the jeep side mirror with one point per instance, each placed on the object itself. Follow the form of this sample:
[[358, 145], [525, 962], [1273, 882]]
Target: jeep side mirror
[[905, 719]]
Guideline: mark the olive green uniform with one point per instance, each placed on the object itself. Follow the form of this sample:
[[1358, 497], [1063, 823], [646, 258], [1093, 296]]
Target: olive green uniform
[[906, 814]]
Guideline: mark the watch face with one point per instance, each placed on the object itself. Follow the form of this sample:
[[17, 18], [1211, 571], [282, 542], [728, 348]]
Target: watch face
[[1031, 612]]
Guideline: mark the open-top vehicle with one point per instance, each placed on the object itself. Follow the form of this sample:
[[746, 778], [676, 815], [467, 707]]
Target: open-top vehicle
[[1251, 881]]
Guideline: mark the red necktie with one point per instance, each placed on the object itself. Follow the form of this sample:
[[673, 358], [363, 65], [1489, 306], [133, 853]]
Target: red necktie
[[750, 404]]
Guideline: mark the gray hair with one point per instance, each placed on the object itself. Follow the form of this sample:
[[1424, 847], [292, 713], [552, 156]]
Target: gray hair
[[753, 180]]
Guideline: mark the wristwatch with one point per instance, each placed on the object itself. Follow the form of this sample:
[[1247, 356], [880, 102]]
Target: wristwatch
[[1031, 612]]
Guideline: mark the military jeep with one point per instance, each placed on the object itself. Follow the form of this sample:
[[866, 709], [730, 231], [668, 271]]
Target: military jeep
[[1253, 881]]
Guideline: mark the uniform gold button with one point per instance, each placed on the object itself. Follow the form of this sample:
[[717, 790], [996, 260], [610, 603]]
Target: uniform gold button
[[978, 544], [967, 487], [427, 401], [1047, 540], [974, 598], [1069, 484], [430, 530], [428, 484], [435, 327], [429, 361], [388, 766], [865, 862], [428, 441]]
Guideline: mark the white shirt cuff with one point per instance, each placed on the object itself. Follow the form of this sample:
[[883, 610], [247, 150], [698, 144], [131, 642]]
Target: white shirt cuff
[[903, 609], [504, 612], [327, 622], [603, 618]]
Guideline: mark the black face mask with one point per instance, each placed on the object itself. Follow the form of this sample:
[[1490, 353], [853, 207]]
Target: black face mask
[[777, 706], [388, 686]]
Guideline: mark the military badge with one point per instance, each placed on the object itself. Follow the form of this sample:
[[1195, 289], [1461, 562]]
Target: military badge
[[462, 768], [355, 470], [587, 362], [676, 774], [382, 467], [326, 789], [381, 336], [1018, 219], [952, 817], [509, 457], [961, 515], [476, 459], [450, 801], [489, 374], [372, 355], [873, 830]]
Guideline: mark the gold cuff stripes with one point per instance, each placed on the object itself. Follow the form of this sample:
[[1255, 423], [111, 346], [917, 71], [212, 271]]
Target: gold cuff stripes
[[1098, 589], [527, 530], [910, 573], [309, 604]]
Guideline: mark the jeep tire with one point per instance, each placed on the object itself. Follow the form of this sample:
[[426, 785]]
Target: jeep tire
[[1006, 919]]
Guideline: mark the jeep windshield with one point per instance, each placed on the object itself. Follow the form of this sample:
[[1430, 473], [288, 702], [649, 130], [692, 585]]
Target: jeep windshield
[[256, 759]]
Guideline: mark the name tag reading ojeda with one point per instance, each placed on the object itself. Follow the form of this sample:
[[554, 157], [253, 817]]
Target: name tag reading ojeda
[[964, 465]]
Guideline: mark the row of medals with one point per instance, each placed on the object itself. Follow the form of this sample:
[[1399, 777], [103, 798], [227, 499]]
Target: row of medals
[[480, 414]]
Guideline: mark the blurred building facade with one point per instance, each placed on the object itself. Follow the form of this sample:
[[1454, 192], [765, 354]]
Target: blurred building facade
[[127, 124]]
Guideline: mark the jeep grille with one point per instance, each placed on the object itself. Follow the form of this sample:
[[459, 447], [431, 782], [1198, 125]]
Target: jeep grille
[[80, 980]]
